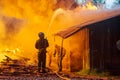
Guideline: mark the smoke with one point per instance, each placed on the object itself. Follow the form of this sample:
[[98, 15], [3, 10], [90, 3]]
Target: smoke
[[2, 30], [99, 3], [24, 19], [21, 21], [110, 3], [12, 26], [9, 27]]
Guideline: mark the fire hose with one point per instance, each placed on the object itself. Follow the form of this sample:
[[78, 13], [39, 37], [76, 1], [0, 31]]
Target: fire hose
[[56, 72]]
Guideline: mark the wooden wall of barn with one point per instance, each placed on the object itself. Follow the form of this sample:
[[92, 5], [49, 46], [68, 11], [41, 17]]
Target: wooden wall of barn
[[104, 54], [79, 50]]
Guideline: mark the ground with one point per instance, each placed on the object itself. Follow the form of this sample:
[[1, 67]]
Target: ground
[[14, 70], [52, 76]]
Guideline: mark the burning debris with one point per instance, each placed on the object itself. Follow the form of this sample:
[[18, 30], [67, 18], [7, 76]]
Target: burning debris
[[17, 67], [11, 61], [11, 66]]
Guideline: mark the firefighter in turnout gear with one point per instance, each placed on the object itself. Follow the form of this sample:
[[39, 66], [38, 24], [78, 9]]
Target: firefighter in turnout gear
[[41, 45], [60, 53]]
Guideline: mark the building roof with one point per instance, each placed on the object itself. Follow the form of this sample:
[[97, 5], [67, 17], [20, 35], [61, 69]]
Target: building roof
[[94, 18]]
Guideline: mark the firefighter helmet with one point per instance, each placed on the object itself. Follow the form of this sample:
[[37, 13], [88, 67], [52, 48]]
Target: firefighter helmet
[[41, 34]]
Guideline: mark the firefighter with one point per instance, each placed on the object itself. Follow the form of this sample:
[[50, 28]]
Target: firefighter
[[41, 45], [60, 52]]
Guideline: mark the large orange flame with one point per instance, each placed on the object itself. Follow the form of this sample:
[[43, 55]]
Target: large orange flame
[[35, 16]]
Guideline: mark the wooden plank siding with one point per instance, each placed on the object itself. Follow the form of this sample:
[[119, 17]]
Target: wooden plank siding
[[103, 37]]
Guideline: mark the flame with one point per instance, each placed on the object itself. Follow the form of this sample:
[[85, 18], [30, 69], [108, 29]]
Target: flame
[[22, 20], [13, 53], [35, 16], [90, 6]]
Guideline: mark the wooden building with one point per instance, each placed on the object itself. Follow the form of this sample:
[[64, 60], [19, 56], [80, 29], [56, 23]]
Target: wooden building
[[92, 44]]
